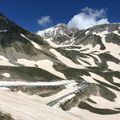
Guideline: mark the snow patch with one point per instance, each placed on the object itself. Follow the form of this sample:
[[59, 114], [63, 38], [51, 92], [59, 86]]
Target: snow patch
[[116, 32], [7, 75], [89, 79], [113, 66], [5, 62], [87, 32], [3, 30], [43, 64], [20, 83], [65, 60], [33, 43], [116, 80]]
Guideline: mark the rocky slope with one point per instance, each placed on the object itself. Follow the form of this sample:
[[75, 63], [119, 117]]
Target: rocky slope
[[62, 68]]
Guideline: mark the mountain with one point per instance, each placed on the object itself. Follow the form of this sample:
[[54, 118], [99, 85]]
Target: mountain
[[59, 34], [59, 73]]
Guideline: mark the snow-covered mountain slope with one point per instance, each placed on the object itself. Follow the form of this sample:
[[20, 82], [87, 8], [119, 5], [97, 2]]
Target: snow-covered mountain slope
[[58, 34], [24, 107], [68, 69], [57, 31]]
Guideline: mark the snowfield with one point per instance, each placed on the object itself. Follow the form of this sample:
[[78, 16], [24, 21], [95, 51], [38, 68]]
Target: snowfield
[[23, 107], [20, 83], [87, 115]]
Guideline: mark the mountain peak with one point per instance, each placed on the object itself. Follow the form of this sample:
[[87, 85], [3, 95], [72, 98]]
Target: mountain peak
[[61, 25], [56, 31]]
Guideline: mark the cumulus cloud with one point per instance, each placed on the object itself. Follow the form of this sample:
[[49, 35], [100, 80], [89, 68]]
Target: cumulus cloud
[[45, 20], [88, 18]]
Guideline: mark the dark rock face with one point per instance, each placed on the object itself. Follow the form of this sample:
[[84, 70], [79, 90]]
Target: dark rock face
[[113, 38], [5, 116]]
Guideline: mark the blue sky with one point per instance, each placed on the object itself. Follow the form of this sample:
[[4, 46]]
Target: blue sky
[[27, 13]]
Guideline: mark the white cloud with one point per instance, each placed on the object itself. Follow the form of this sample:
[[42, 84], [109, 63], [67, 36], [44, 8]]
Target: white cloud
[[43, 21], [88, 18]]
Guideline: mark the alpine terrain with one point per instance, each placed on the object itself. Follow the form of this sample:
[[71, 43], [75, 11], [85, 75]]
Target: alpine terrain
[[60, 73]]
